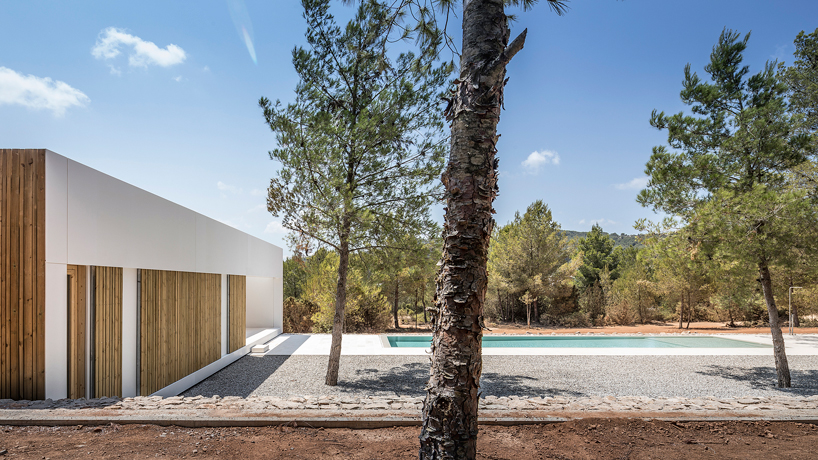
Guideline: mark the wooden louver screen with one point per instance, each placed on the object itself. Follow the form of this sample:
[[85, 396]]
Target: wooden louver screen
[[22, 274], [180, 325], [107, 313], [237, 306], [77, 308]]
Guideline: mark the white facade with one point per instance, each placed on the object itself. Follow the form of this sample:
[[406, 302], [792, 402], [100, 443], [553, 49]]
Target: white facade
[[95, 219]]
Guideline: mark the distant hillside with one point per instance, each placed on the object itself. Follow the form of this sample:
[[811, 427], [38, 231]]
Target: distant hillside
[[620, 239]]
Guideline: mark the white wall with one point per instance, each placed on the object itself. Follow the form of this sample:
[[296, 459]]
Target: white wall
[[95, 219], [56, 278], [278, 299], [260, 302], [129, 332], [56, 208], [56, 331], [225, 316], [108, 222]]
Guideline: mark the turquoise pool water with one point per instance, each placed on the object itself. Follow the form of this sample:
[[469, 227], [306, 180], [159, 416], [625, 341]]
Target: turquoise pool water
[[498, 341]]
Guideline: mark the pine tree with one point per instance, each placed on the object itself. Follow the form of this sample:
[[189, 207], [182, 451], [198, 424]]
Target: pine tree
[[361, 147], [726, 172], [470, 181], [527, 255], [598, 252], [802, 78]]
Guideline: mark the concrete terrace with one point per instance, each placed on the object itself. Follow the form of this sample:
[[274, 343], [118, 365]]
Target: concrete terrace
[[373, 344]]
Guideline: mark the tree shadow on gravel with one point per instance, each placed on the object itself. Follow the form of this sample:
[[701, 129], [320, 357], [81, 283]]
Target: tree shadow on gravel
[[804, 382], [410, 380], [240, 378], [493, 384], [406, 380]]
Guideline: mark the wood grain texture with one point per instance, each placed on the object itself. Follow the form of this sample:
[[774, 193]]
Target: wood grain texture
[[107, 331], [180, 325], [77, 307], [237, 306], [22, 273]]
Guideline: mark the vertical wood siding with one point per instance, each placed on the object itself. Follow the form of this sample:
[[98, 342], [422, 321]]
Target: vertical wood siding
[[237, 306], [107, 331], [22, 274], [180, 325], [76, 330]]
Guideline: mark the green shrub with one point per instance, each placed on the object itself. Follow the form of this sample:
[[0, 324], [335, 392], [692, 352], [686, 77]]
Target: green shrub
[[575, 319], [298, 315], [366, 311], [619, 314]]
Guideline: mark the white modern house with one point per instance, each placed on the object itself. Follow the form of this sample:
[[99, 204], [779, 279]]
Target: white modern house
[[108, 290]]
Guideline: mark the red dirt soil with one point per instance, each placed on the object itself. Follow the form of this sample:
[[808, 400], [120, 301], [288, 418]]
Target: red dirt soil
[[619, 438]]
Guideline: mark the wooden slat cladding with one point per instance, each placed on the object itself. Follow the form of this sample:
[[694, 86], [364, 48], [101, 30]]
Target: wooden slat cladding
[[22, 273], [180, 325], [77, 307], [237, 306], [107, 364]]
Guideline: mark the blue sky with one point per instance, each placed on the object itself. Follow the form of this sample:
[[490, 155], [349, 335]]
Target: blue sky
[[162, 94]]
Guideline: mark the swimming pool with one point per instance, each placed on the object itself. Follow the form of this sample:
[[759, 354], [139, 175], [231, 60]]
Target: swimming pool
[[498, 341]]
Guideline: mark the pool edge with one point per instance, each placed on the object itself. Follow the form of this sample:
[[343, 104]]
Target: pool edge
[[749, 344]]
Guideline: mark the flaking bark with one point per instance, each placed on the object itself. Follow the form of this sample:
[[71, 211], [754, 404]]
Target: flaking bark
[[470, 180]]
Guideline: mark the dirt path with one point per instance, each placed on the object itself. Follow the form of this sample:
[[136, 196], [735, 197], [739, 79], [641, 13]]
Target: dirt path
[[578, 439]]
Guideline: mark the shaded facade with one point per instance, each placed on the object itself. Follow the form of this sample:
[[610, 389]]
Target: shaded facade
[[108, 290]]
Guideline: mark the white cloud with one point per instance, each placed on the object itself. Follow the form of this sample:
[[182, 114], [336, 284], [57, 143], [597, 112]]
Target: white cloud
[[142, 53], [275, 227], [783, 52], [599, 222], [115, 70], [637, 183], [206, 69], [178, 79], [537, 159], [38, 93], [227, 188]]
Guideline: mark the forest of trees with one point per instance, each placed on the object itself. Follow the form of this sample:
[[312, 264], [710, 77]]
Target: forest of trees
[[742, 231], [582, 281], [362, 147]]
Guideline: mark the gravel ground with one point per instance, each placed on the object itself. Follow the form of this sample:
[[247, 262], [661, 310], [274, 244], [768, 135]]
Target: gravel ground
[[529, 376]]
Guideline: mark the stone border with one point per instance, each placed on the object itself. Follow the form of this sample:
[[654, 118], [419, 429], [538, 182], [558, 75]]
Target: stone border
[[380, 412], [806, 405]]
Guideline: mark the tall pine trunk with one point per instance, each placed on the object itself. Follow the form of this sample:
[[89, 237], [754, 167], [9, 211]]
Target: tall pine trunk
[[536, 311], [681, 310], [340, 304], [423, 302], [782, 368], [450, 408], [395, 303], [528, 314], [795, 321]]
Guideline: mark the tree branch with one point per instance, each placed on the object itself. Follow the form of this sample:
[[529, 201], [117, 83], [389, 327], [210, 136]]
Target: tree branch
[[514, 47]]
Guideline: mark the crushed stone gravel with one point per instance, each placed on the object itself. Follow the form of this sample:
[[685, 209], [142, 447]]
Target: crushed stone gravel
[[524, 376]]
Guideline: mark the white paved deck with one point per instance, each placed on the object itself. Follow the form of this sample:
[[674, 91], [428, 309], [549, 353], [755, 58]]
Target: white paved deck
[[372, 344]]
